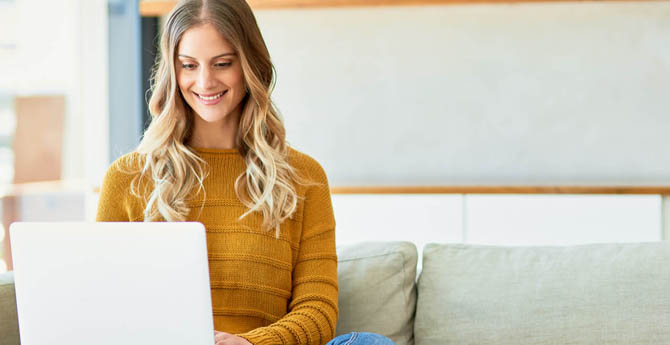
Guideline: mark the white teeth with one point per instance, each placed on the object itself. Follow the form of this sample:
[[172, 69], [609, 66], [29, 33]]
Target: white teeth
[[211, 98]]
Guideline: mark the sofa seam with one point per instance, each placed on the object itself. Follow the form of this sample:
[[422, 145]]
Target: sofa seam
[[404, 263], [368, 257]]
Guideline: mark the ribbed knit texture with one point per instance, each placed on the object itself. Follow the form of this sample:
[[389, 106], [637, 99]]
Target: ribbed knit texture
[[268, 290]]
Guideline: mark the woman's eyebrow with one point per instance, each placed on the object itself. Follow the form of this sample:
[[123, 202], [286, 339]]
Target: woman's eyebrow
[[216, 57]]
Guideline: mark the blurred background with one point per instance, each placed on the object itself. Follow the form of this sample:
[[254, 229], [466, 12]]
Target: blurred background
[[490, 122]]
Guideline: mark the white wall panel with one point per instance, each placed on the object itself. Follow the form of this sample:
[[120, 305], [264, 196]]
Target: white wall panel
[[8, 46], [52, 207], [416, 218], [561, 219]]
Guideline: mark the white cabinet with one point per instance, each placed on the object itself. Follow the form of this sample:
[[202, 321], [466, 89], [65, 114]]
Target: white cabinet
[[498, 219], [417, 218], [561, 219]]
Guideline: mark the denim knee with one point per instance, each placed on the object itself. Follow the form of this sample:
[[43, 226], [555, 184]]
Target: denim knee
[[361, 338]]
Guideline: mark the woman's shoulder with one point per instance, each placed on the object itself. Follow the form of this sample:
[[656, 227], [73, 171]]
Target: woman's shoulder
[[128, 164], [124, 169], [307, 166], [116, 202]]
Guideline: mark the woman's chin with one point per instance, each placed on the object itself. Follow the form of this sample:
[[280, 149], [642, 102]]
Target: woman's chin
[[211, 115], [213, 118]]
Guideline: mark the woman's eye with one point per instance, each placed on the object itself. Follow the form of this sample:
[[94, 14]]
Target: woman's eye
[[188, 66], [223, 64]]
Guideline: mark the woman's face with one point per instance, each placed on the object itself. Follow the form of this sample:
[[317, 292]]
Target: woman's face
[[209, 74]]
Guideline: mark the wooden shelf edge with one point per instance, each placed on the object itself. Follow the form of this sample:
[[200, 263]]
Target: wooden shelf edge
[[155, 8], [82, 187], [161, 8], [656, 190], [47, 187]]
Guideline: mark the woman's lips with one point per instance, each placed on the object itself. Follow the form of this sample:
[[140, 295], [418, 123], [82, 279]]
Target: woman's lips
[[210, 99]]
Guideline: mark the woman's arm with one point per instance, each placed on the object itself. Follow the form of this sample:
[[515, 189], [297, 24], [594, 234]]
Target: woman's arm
[[312, 315]]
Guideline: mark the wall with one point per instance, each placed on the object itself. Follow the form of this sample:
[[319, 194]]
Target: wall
[[540, 93], [61, 48]]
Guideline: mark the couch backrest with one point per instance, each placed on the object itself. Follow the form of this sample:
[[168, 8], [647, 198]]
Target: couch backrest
[[9, 325], [377, 290], [593, 294], [615, 294]]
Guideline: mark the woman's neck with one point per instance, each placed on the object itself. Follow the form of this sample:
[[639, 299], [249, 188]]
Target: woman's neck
[[215, 135]]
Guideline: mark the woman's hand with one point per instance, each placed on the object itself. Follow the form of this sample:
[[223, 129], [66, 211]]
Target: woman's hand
[[223, 338]]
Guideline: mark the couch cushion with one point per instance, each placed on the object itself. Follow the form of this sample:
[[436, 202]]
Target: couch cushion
[[9, 325], [615, 294], [377, 290]]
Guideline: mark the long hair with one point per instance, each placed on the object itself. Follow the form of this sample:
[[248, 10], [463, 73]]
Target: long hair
[[266, 186]]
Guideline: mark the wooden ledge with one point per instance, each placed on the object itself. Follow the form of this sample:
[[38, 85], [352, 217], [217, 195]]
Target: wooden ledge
[[659, 190], [78, 186], [47, 187], [159, 8], [155, 8]]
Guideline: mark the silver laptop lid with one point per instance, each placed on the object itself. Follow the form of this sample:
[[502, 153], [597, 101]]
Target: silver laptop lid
[[112, 283]]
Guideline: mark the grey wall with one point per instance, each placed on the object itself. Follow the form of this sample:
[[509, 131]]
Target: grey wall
[[484, 94]]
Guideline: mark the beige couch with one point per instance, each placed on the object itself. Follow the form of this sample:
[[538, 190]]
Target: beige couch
[[615, 294]]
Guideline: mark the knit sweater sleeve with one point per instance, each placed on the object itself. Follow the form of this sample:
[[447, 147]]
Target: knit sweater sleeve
[[312, 311], [115, 201]]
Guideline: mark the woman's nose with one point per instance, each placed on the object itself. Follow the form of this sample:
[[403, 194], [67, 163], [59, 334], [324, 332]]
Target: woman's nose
[[206, 79]]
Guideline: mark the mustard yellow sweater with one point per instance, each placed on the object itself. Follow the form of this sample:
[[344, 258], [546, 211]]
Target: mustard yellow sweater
[[269, 291]]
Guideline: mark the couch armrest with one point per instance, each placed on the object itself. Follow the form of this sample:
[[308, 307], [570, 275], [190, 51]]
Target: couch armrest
[[377, 289], [9, 324]]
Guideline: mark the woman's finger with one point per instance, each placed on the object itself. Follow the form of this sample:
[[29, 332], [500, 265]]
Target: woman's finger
[[220, 336]]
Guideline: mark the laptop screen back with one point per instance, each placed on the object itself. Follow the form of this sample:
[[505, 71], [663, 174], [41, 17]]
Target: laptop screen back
[[112, 283]]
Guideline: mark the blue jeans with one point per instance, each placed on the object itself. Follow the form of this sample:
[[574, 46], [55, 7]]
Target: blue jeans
[[361, 338]]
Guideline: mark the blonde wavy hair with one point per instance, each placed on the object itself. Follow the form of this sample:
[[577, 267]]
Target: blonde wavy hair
[[175, 170]]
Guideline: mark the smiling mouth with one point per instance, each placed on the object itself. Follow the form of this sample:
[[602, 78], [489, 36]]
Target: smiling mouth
[[211, 97]]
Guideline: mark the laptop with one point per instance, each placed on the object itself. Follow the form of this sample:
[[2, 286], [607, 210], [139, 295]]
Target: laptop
[[112, 283]]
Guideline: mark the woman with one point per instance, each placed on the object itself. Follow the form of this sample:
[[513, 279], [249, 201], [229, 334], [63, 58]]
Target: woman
[[216, 153]]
